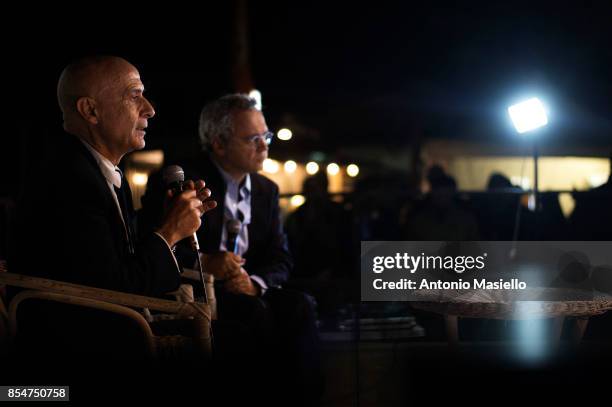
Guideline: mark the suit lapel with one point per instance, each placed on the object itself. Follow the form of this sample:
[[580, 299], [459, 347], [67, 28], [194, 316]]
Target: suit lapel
[[257, 213], [213, 220], [119, 230]]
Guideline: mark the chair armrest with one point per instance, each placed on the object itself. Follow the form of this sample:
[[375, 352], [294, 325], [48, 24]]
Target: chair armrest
[[209, 284], [183, 294], [183, 309]]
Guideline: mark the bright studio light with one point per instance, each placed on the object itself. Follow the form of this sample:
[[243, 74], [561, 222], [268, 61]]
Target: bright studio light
[[312, 168], [528, 115]]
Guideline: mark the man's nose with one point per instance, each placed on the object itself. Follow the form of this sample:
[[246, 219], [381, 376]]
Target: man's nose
[[261, 144], [148, 110]]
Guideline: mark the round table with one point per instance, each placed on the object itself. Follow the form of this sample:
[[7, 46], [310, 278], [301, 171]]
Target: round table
[[555, 303]]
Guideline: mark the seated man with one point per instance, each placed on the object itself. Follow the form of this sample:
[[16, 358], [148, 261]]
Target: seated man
[[252, 261], [78, 225], [252, 264], [85, 232]]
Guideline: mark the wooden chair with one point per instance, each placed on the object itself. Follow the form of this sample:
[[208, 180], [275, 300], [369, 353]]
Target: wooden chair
[[209, 282], [134, 308]]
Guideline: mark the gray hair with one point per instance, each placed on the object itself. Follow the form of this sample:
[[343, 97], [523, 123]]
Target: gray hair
[[216, 119]]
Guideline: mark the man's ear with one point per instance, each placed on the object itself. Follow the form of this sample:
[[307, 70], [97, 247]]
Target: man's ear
[[86, 107], [218, 148]]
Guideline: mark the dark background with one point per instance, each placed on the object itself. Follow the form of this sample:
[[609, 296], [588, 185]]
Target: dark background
[[341, 75], [338, 74]]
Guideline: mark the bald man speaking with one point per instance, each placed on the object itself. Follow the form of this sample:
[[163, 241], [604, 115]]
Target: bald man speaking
[[77, 225]]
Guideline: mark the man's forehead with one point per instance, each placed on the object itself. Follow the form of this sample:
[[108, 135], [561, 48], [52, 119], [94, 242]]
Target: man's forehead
[[124, 80], [119, 86], [249, 122], [135, 83], [133, 78]]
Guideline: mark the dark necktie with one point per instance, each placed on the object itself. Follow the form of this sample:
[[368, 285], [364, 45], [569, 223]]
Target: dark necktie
[[126, 212]]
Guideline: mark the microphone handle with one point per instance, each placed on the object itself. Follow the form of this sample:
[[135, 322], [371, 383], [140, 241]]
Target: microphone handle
[[193, 239], [177, 188]]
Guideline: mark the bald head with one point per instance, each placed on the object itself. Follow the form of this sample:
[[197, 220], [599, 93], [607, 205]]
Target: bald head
[[102, 102], [88, 77]]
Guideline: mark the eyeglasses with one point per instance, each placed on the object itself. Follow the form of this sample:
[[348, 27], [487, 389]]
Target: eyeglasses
[[266, 137]]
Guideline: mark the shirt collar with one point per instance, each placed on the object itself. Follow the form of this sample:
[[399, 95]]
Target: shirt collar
[[111, 172], [245, 185]]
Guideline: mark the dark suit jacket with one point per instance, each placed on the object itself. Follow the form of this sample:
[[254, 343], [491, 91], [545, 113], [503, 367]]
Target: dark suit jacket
[[268, 254], [70, 229]]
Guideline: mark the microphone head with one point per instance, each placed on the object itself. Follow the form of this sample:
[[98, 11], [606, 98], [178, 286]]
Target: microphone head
[[233, 227], [173, 174]]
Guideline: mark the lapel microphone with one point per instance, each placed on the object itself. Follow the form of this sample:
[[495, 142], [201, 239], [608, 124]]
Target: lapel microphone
[[233, 227]]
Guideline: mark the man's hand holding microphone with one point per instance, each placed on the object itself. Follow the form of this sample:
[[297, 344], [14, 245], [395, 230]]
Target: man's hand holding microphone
[[184, 210]]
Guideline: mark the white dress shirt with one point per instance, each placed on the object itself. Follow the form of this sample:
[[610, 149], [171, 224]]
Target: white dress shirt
[[238, 200]]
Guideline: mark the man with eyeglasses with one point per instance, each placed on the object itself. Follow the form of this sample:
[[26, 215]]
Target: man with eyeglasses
[[235, 140]]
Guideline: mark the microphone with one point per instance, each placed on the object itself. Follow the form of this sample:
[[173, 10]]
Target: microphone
[[174, 177], [233, 227]]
